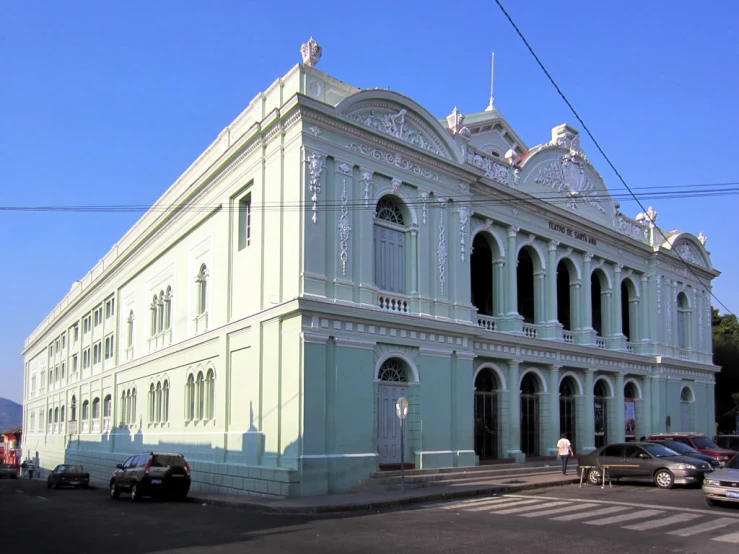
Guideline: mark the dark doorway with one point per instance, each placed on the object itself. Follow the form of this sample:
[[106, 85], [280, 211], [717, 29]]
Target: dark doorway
[[567, 414], [563, 296], [600, 407], [530, 415], [595, 299], [625, 323], [525, 282], [486, 415], [481, 275]]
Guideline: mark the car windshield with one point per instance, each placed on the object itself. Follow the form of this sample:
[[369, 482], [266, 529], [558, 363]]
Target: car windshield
[[659, 451], [167, 460], [70, 469], [703, 442], [680, 447], [733, 463]]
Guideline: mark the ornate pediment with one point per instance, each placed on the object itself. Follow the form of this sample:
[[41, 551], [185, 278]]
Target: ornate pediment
[[688, 252], [383, 113]]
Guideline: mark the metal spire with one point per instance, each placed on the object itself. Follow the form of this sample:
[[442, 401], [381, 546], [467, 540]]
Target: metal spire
[[490, 107]]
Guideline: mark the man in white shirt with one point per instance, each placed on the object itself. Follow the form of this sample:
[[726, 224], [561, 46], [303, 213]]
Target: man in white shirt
[[564, 450]]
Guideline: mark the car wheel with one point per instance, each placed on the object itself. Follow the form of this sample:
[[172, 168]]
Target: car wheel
[[48, 484], [664, 479], [711, 502], [134, 493], [114, 492], [594, 476]]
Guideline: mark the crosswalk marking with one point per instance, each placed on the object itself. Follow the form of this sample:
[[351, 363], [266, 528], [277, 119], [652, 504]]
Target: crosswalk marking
[[518, 508], [703, 527], [731, 537], [678, 518], [562, 510], [600, 512], [624, 517], [512, 502], [479, 502]]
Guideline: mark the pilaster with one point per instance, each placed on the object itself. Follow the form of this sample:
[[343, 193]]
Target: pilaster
[[587, 334], [363, 222], [617, 340], [619, 427], [514, 412], [554, 423], [512, 322], [587, 438]]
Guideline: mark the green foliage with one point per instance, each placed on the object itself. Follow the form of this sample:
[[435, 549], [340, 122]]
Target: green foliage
[[726, 355]]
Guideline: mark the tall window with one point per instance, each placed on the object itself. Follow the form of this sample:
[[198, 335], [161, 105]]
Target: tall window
[[389, 246], [159, 402], [85, 358], [154, 309], [73, 409], [85, 410], [110, 308], [160, 317], [132, 413], [209, 394], [202, 281], [152, 402], [75, 332], [74, 363], [107, 406], [201, 395], [683, 321], [123, 407], [245, 222], [96, 408], [168, 309], [190, 398], [129, 333], [108, 347], [56, 415], [61, 414], [51, 416], [165, 401]]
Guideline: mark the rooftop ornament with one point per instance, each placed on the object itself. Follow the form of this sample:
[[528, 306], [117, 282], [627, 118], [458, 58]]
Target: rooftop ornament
[[311, 52], [649, 217]]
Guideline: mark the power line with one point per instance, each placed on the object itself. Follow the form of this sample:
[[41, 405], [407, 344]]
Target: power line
[[597, 145]]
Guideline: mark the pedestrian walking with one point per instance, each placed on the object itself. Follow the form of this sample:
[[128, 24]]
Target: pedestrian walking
[[30, 468], [24, 468], [564, 450]]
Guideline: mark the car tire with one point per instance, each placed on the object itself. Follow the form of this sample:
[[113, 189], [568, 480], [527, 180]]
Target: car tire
[[114, 492], [135, 493], [711, 502], [48, 484], [664, 479], [594, 476]]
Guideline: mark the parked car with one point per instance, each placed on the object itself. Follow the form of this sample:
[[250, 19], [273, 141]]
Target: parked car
[[68, 475], [700, 442], [685, 450], [723, 485], [9, 471], [643, 460], [152, 474], [730, 442]]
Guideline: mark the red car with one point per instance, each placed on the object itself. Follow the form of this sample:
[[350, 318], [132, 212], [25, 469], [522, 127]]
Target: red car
[[700, 442], [69, 475]]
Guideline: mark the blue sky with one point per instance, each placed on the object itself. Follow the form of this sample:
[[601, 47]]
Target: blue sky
[[106, 103]]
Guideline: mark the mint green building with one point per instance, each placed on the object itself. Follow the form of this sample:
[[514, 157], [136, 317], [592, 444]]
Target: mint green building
[[337, 248]]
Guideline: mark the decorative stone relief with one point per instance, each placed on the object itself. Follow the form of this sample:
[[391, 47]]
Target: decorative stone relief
[[315, 130], [424, 197], [669, 313], [395, 184], [464, 186], [493, 169], [702, 238], [514, 211], [516, 176], [311, 53], [568, 174], [315, 168], [345, 168], [345, 229], [393, 159], [488, 224], [659, 294], [395, 125], [441, 250], [632, 229], [455, 120], [464, 216], [688, 253], [366, 178]]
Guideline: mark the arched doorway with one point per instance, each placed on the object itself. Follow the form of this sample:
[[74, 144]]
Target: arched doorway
[[564, 298], [525, 286], [394, 376], [687, 401], [486, 414], [600, 408], [530, 415], [630, 396], [481, 275], [567, 412]]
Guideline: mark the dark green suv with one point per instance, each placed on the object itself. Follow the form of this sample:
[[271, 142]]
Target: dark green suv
[[152, 474]]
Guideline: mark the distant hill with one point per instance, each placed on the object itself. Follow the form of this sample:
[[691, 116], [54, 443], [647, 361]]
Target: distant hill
[[11, 414]]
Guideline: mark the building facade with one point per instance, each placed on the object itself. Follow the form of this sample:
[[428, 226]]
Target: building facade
[[337, 248]]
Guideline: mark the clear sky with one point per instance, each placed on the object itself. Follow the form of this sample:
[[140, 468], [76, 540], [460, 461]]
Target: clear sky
[[106, 103]]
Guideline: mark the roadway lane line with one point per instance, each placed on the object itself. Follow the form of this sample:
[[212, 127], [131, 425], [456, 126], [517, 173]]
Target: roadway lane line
[[703, 527], [557, 511], [678, 518], [625, 517], [600, 512], [519, 508], [731, 537]]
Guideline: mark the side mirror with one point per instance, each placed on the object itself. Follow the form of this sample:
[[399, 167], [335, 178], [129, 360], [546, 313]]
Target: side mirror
[[644, 456], [119, 466]]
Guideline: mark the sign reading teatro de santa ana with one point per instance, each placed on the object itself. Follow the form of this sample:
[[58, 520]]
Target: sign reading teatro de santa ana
[[579, 235]]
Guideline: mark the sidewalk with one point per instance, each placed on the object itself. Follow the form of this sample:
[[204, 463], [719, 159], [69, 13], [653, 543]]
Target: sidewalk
[[374, 500]]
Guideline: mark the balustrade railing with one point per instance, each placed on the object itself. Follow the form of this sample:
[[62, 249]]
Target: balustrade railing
[[392, 304], [85, 427], [630, 348], [600, 343], [529, 330], [568, 337], [684, 355], [486, 322]]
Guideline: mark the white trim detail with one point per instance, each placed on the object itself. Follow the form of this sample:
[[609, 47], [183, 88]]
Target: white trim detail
[[575, 377], [496, 370], [336, 456], [538, 372]]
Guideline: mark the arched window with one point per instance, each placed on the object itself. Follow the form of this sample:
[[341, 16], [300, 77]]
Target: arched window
[[201, 395], [687, 406], [683, 321], [61, 415], [132, 414], [190, 398], [160, 320], [389, 245], [56, 415], [168, 309], [129, 334], [123, 407], [152, 402], [96, 408], [73, 409], [154, 309], [202, 281], [210, 394], [165, 401], [159, 402], [393, 370], [51, 416], [85, 410], [107, 406]]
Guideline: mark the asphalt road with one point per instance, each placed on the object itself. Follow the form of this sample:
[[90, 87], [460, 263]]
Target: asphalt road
[[34, 519]]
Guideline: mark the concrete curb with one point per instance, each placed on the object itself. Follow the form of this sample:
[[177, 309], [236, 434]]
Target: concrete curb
[[379, 504]]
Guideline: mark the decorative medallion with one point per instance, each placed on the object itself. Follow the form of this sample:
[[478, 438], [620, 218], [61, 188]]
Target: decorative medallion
[[393, 159], [464, 216], [345, 168], [344, 229], [568, 174], [315, 167]]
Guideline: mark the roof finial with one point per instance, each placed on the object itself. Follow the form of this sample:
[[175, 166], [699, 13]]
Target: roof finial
[[490, 107]]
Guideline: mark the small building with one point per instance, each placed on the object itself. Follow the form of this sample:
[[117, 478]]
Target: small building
[[336, 248]]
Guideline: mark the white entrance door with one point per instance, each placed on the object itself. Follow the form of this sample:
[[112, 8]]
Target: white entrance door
[[388, 424]]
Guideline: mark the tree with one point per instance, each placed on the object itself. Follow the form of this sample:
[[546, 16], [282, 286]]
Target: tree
[[726, 354]]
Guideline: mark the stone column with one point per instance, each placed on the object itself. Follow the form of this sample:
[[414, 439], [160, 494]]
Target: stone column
[[587, 333], [619, 426], [605, 309], [617, 323], [644, 312], [514, 411], [413, 284], [499, 307], [551, 288], [658, 424], [363, 224], [634, 323], [587, 440], [511, 273], [539, 298], [554, 427], [575, 306], [646, 428]]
